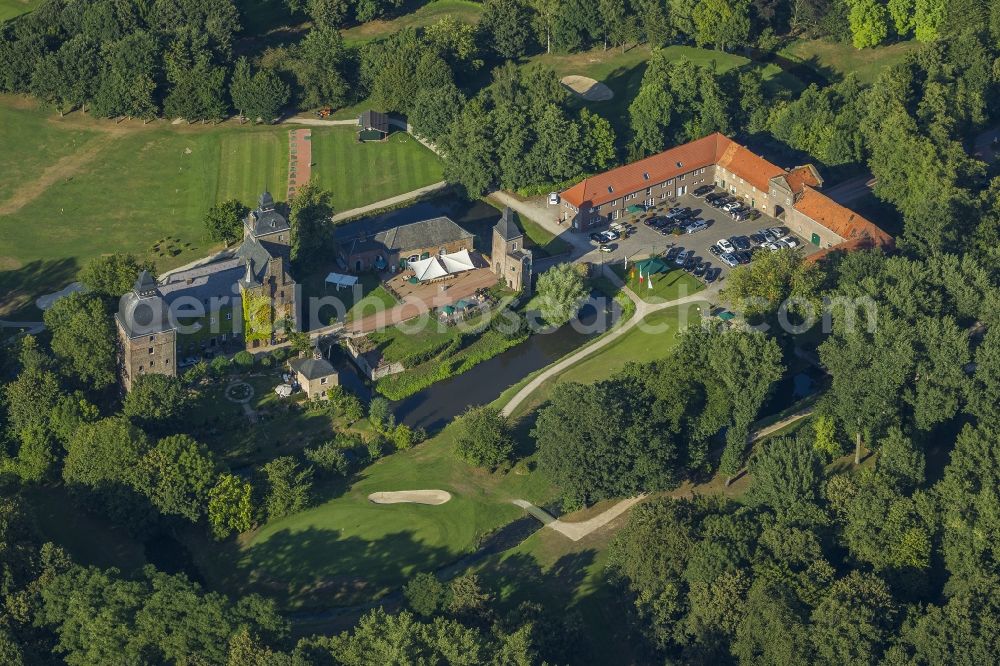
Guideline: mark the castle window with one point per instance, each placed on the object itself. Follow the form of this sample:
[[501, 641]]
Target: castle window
[[229, 316], [515, 245], [322, 380], [141, 368], [152, 363], [152, 337], [166, 361], [150, 350]]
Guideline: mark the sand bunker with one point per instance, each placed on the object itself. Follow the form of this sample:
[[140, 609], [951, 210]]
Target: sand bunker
[[411, 497], [587, 88]]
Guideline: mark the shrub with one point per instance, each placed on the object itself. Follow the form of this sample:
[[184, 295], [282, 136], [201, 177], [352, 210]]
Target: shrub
[[425, 594], [328, 458], [484, 437], [243, 359], [219, 366], [374, 448]]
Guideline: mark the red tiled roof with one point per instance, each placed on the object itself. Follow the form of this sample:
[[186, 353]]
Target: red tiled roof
[[750, 167], [712, 149], [801, 176], [629, 178], [842, 221]]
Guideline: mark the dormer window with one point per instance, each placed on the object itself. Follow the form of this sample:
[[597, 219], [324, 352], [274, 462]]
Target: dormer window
[[610, 189], [680, 164], [645, 176]]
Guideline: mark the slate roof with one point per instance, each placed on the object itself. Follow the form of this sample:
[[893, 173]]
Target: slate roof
[[435, 231], [312, 368], [374, 120], [254, 258], [215, 280], [507, 227], [143, 311], [265, 219]]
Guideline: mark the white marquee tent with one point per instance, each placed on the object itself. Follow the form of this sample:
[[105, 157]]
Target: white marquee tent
[[428, 269], [457, 262]]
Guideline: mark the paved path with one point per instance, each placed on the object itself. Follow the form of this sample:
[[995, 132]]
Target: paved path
[[34, 327], [642, 308], [576, 531], [778, 425], [391, 201]]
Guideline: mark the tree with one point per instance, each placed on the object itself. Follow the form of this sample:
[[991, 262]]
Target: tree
[[469, 150], [257, 95], [484, 438], [560, 293], [311, 212], [105, 452], [546, 14], [466, 598], [321, 53], [613, 17], [722, 23], [787, 475], [328, 457], [825, 437], [598, 139], [425, 594], [289, 487], [747, 363], [869, 21], [435, 110], [176, 475], [83, 338], [224, 221], [776, 280], [197, 86], [855, 620], [650, 118], [230, 506], [508, 23], [773, 630], [156, 402], [112, 275], [380, 414], [127, 82]]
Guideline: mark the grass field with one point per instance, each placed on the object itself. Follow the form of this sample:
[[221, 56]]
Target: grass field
[[347, 549], [834, 60], [666, 286], [74, 188], [432, 12], [11, 8], [359, 174]]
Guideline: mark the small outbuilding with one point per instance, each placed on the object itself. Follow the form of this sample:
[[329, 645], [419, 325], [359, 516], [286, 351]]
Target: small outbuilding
[[373, 126], [314, 374]]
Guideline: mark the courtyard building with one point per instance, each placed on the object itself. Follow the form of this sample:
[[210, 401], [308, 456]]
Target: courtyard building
[[394, 248], [790, 195], [314, 374], [249, 295]]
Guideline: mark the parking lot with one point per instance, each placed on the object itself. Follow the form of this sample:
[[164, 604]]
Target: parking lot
[[647, 241]]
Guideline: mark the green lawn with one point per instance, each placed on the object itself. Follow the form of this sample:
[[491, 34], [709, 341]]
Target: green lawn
[[651, 339], [145, 189], [542, 239], [432, 12], [396, 344], [362, 173], [11, 8], [622, 72], [834, 60], [666, 286], [346, 549]]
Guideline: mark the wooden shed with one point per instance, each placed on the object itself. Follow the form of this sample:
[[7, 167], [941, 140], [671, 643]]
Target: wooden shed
[[373, 126]]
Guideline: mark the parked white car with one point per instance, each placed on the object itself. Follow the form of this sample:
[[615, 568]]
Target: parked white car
[[726, 246], [790, 241], [554, 198], [729, 259]]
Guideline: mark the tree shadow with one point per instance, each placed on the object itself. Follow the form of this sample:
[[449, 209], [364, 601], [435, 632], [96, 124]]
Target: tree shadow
[[21, 286], [316, 567]]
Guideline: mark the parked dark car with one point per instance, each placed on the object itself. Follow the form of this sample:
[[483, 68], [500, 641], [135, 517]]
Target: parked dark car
[[701, 269], [672, 253], [715, 250], [691, 263], [754, 214], [703, 190], [596, 237], [712, 274], [743, 258], [742, 243], [757, 239]]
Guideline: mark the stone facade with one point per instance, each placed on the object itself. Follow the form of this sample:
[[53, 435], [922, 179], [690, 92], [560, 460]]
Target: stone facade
[[508, 258], [147, 338]]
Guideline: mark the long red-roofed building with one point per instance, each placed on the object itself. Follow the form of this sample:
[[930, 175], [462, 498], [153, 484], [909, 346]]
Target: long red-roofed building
[[791, 195]]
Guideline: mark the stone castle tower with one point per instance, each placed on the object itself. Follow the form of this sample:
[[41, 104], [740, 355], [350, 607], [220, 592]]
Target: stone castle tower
[[269, 227], [510, 260], [147, 338]]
